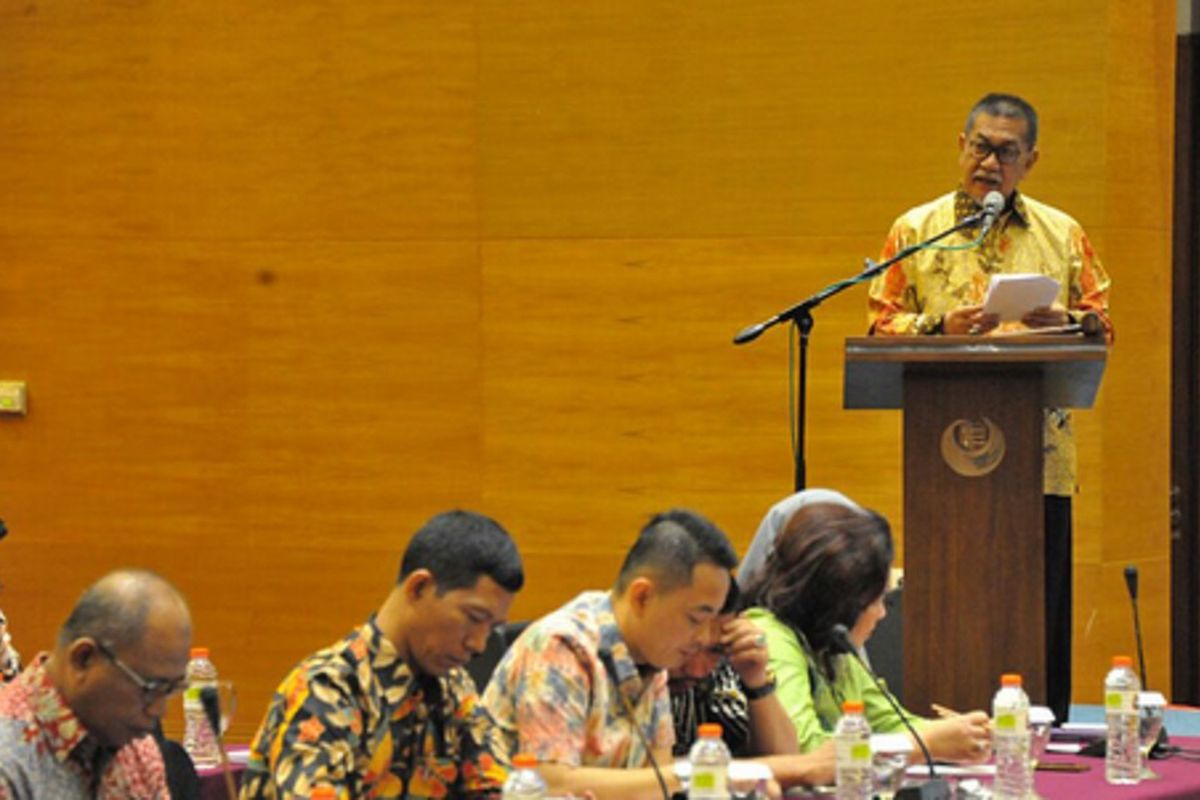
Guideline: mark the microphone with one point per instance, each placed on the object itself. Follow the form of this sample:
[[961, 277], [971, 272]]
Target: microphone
[[933, 789], [3, 529], [610, 667], [993, 204]]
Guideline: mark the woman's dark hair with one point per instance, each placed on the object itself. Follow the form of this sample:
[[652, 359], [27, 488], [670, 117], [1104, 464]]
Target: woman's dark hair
[[828, 564]]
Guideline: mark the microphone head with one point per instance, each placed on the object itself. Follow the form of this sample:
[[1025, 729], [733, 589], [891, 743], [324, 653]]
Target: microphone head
[[3, 529], [840, 635], [993, 203], [1131, 580]]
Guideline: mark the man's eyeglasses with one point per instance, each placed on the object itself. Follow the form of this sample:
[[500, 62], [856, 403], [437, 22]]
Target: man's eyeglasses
[[152, 688], [1007, 153]]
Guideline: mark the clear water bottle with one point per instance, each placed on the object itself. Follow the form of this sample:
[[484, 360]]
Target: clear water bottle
[[709, 759], [199, 740], [1010, 737], [852, 745], [524, 782], [1122, 758]]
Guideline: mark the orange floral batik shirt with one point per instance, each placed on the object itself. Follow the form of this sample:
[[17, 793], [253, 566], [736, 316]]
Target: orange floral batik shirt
[[913, 295], [355, 717]]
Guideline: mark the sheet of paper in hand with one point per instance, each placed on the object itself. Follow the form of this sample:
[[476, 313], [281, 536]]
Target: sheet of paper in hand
[[1014, 296]]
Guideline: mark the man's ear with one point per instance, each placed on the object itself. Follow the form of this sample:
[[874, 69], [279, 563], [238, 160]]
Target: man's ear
[[417, 584], [641, 591], [82, 654]]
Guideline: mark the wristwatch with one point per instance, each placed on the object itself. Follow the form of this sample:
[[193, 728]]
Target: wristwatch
[[759, 692]]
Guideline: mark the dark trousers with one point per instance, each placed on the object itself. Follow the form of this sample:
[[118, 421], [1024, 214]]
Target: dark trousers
[[1058, 605]]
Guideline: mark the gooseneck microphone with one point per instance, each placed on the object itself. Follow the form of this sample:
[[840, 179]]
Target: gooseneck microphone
[[993, 204], [933, 789], [610, 667], [1131, 583]]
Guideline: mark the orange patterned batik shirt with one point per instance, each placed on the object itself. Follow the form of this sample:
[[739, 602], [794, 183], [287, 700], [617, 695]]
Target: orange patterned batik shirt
[[355, 717], [912, 296]]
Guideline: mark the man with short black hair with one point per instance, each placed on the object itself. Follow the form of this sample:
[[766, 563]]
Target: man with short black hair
[[585, 688], [942, 289], [389, 711], [78, 722]]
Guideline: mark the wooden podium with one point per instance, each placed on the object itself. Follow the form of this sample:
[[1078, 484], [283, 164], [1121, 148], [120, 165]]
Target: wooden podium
[[973, 509]]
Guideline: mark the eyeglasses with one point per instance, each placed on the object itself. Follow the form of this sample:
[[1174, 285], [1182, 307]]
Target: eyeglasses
[[1006, 153], [152, 688]]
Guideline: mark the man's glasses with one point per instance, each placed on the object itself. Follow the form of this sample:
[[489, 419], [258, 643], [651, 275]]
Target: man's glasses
[[152, 688], [1007, 153]]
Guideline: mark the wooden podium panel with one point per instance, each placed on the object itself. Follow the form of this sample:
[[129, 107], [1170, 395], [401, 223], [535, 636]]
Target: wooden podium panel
[[973, 508]]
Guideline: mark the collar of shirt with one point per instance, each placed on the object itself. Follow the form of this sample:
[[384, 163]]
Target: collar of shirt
[[1015, 210], [64, 734], [612, 649], [399, 680]]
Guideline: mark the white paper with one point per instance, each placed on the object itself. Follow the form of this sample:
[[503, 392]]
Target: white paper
[[953, 770], [1014, 296]]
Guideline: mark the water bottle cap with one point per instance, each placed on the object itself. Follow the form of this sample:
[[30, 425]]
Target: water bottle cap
[[852, 707], [1122, 661], [710, 730], [323, 793], [199, 652], [525, 760], [1010, 679]]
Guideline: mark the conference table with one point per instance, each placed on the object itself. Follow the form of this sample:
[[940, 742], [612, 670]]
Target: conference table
[[1179, 778]]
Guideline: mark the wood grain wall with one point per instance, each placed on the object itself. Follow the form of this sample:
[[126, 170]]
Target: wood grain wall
[[286, 279]]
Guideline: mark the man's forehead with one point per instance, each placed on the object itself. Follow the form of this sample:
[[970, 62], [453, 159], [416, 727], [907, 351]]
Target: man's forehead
[[1000, 128]]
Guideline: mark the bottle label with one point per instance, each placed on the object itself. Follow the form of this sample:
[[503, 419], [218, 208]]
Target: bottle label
[[709, 780], [854, 752], [191, 698], [1117, 702], [1012, 721]]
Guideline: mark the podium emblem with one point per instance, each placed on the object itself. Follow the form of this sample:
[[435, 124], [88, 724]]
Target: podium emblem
[[973, 447]]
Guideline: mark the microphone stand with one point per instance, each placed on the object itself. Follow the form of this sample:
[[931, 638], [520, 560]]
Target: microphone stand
[[935, 788], [800, 315]]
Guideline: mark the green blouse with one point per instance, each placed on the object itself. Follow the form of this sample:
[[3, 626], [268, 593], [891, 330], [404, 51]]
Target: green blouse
[[813, 704]]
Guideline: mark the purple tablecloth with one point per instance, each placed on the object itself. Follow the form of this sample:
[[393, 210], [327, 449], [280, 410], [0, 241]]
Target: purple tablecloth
[[1179, 778]]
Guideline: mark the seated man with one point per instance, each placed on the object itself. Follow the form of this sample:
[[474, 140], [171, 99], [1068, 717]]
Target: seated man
[[389, 710], [77, 722], [585, 688], [728, 682]]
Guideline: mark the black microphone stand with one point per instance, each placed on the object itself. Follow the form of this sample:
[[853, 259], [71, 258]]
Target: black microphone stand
[[800, 315]]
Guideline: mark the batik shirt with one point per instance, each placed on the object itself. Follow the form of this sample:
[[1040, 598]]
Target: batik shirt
[[46, 753], [356, 717], [718, 697], [557, 693], [913, 295]]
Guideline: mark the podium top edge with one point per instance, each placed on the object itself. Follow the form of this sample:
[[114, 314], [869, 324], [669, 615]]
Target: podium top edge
[[976, 348]]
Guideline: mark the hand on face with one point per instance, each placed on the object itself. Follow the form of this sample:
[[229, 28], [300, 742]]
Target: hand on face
[[745, 647]]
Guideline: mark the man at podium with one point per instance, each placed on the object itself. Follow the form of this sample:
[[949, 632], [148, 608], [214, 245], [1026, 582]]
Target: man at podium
[[942, 289]]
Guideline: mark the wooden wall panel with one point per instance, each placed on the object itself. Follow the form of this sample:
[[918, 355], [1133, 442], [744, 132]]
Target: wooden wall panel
[[237, 119], [294, 278]]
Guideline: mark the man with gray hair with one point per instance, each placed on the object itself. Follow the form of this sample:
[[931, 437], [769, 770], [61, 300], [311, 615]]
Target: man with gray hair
[[77, 722], [941, 290]]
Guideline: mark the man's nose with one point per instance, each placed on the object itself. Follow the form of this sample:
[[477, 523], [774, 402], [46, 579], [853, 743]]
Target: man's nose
[[477, 639]]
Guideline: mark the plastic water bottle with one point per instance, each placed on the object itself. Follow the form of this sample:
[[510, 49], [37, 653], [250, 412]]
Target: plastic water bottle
[[198, 738], [1122, 758], [524, 782], [709, 758], [1010, 737], [852, 744]]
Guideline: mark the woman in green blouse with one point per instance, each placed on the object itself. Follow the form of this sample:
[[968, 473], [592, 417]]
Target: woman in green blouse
[[830, 566]]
